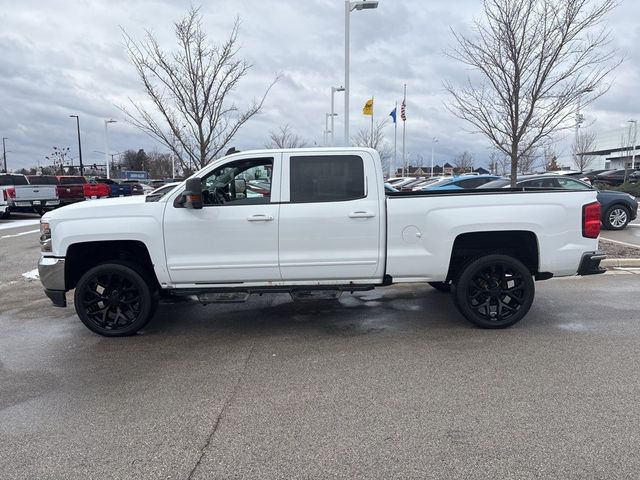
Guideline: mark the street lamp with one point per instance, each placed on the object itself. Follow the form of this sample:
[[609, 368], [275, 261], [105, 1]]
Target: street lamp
[[4, 153], [326, 126], [348, 8], [580, 118], [106, 143], [333, 92], [79, 143], [433, 143]]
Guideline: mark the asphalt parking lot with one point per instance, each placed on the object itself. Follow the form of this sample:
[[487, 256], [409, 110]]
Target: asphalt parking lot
[[385, 384]]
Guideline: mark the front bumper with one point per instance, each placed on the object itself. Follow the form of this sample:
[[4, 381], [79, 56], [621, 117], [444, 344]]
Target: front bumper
[[51, 272], [590, 263]]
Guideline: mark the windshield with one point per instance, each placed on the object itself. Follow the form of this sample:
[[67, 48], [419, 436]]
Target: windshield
[[42, 180], [72, 180]]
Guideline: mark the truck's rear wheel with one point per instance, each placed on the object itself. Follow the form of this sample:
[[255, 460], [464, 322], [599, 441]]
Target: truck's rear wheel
[[494, 291], [114, 299]]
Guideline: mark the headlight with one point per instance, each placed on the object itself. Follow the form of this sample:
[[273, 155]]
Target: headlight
[[45, 237]]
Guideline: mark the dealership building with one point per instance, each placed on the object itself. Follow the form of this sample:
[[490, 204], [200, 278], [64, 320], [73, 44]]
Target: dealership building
[[615, 149]]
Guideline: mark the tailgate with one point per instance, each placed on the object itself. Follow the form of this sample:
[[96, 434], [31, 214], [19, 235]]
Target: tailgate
[[35, 192], [70, 191]]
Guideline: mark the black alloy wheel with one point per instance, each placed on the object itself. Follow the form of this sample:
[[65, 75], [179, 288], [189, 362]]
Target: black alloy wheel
[[616, 218], [495, 291], [114, 299]]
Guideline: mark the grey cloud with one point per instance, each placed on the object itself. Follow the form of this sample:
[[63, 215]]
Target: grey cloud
[[66, 57]]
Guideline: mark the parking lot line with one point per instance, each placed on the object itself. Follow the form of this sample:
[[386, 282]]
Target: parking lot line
[[19, 234], [18, 223]]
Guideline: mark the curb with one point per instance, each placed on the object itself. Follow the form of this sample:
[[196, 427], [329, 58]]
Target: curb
[[621, 262]]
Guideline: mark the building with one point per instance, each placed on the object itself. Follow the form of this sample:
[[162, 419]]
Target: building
[[616, 149]]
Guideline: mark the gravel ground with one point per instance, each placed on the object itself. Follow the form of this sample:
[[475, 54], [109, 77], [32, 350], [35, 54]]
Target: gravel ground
[[615, 250]]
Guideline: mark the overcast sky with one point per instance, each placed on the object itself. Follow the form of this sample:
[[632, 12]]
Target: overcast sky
[[66, 57]]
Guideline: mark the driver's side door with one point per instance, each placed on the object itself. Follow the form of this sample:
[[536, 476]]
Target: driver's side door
[[233, 239]]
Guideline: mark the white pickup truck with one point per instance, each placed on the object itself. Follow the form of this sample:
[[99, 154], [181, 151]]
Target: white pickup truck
[[20, 196], [309, 220]]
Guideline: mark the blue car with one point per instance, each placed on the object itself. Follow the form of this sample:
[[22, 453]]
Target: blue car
[[460, 183]]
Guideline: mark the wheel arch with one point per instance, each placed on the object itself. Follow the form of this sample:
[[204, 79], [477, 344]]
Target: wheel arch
[[83, 256], [519, 244]]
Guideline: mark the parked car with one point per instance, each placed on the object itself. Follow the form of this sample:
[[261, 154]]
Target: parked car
[[570, 173], [462, 182], [634, 177], [160, 192], [94, 190], [115, 189], [389, 188], [70, 189], [618, 208], [594, 173], [20, 196], [328, 227], [137, 188], [613, 178]]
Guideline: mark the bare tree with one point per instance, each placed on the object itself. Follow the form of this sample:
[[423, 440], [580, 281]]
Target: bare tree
[[190, 91], [579, 151], [526, 163], [377, 141], [463, 162], [59, 157], [499, 162], [538, 59], [285, 138]]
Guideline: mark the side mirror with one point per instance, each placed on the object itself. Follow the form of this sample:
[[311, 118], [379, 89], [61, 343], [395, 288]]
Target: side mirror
[[192, 195]]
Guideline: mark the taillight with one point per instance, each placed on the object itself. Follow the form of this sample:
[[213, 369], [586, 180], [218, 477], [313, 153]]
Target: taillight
[[591, 220], [11, 193]]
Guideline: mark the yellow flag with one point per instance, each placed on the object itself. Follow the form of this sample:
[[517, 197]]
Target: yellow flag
[[368, 108]]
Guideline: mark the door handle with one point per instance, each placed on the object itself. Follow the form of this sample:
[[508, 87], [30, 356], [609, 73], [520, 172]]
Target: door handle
[[260, 218], [361, 214]]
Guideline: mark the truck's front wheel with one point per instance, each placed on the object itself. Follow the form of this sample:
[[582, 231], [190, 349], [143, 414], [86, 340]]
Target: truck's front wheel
[[494, 291], [114, 299]]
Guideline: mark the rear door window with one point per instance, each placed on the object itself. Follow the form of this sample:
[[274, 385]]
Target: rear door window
[[13, 180], [331, 178]]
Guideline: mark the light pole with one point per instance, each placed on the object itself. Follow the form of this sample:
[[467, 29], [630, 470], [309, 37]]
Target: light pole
[[326, 126], [106, 144], [433, 143], [348, 8], [579, 120], [79, 143], [333, 91], [4, 153], [635, 141]]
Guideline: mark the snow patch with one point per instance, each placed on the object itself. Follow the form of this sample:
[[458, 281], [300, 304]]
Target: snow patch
[[31, 275]]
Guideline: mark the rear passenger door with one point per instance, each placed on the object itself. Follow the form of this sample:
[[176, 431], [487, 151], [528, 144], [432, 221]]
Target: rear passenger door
[[330, 218]]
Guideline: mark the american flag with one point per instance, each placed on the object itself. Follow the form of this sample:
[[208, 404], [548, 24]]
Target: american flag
[[403, 113]]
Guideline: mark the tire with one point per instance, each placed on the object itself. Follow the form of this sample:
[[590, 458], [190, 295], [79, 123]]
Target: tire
[[616, 217], [495, 291], [444, 287], [115, 299]]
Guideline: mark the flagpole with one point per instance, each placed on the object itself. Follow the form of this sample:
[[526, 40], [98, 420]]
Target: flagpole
[[395, 141], [372, 110], [404, 124]]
